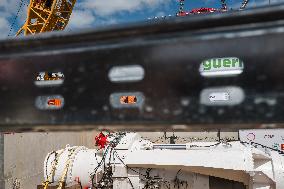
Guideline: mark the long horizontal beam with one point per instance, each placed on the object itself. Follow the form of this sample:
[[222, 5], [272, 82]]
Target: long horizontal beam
[[169, 95]]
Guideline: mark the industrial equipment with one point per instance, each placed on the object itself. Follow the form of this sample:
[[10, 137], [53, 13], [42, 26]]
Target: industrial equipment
[[131, 162]]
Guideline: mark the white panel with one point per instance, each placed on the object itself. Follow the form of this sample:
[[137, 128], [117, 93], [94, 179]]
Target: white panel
[[278, 164], [130, 73], [127, 141], [273, 138], [230, 159]]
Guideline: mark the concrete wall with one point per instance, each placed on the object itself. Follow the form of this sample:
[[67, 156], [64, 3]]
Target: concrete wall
[[24, 153]]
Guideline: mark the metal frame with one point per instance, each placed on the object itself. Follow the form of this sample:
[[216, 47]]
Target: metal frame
[[42, 17], [170, 51]]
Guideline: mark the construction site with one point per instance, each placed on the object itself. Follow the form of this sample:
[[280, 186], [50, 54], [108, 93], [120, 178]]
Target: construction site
[[192, 99]]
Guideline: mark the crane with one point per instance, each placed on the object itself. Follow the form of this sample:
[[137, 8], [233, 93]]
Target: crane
[[47, 15], [52, 15]]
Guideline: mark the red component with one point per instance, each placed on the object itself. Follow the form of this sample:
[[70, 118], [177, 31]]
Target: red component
[[202, 10], [197, 11], [54, 102], [182, 14], [282, 147], [101, 140]]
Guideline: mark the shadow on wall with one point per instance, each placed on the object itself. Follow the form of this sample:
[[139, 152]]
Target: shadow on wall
[[218, 183]]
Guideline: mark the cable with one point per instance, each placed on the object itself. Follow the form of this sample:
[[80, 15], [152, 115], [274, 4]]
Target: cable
[[53, 152], [107, 175], [130, 183], [17, 14], [178, 173], [178, 182], [112, 143], [258, 144], [127, 166], [224, 5], [212, 145], [145, 176], [244, 4], [150, 181], [181, 6], [101, 162], [111, 146], [167, 182]]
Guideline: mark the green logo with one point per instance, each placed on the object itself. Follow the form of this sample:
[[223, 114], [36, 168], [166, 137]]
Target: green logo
[[222, 63], [221, 66]]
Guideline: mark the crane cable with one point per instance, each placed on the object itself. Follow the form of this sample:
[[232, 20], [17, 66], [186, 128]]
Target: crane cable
[[22, 3], [224, 5], [244, 4], [181, 6]]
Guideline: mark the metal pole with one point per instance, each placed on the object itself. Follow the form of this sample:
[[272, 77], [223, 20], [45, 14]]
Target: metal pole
[[2, 181]]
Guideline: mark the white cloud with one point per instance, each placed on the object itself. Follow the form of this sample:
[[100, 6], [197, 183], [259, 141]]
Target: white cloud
[[8, 13], [110, 7], [4, 27], [88, 13], [209, 1], [160, 14], [81, 19]]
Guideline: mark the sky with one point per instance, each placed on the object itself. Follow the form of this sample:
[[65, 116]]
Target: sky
[[96, 13]]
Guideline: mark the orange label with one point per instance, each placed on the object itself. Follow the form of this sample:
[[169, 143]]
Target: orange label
[[54, 102], [282, 146], [128, 99]]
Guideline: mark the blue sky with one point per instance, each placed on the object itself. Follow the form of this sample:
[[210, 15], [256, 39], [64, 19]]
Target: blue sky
[[95, 13]]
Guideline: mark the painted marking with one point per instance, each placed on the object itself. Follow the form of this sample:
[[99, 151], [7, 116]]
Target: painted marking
[[219, 96], [128, 99], [251, 136], [54, 102]]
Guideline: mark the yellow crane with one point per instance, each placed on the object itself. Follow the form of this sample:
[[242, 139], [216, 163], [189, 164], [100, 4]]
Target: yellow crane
[[47, 15]]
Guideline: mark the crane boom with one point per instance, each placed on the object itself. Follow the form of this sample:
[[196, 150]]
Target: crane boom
[[47, 15]]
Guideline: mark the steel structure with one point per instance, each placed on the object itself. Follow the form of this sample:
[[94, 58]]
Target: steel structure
[[125, 163], [47, 15], [170, 51]]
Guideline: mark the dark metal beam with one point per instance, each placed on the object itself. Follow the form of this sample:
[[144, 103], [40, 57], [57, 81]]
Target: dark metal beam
[[170, 52]]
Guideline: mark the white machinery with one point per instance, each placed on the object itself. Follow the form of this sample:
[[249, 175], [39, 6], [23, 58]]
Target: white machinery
[[271, 138], [130, 162]]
